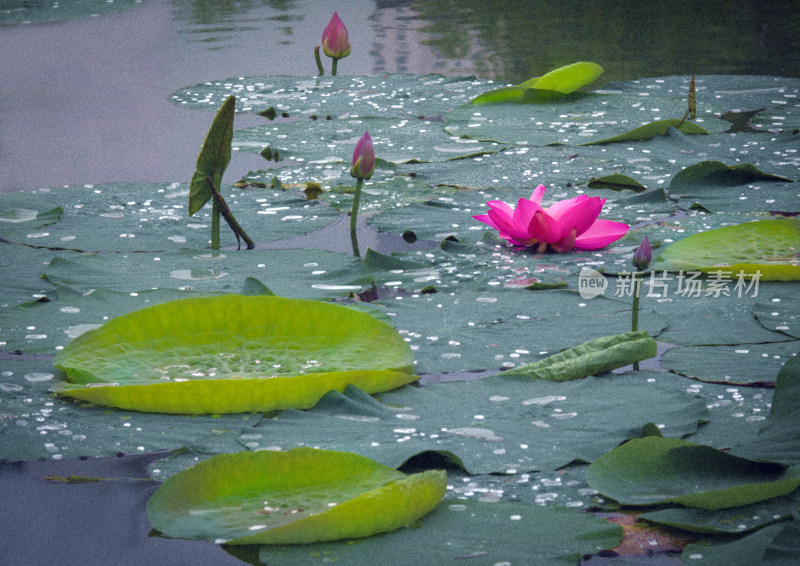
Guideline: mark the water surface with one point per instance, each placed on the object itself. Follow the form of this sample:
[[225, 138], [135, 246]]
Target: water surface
[[87, 100]]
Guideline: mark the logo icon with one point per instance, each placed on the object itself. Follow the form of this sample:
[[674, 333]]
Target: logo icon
[[591, 283]]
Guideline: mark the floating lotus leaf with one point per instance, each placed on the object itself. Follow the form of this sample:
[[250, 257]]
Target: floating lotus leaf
[[467, 531], [657, 128], [616, 182], [382, 95], [552, 86], [738, 365], [779, 440], [770, 246], [233, 353], [655, 470], [295, 497], [775, 545]]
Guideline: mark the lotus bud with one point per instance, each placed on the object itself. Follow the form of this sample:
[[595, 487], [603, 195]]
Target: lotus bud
[[643, 255], [335, 42], [363, 158]]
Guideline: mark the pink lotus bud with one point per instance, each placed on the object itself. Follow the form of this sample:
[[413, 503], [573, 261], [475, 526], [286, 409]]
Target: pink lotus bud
[[335, 42], [363, 158], [643, 255]]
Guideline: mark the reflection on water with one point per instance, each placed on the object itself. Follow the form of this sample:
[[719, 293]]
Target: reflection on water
[[221, 24], [512, 41]]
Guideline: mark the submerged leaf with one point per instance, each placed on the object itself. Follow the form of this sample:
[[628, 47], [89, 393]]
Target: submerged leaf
[[593, 357], [301, 496], [233, 353]]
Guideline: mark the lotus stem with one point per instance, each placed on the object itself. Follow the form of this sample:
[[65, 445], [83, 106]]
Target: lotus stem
[[219, 206], [679, 124], [334, 65], [214, 224], [319, 61], [354, 213], [637, 287]]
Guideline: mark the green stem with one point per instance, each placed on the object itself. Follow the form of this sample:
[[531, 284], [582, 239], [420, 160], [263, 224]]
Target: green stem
[[678, 127], [354, 213], [222, 208], [319, 61], [214, 224], [637, 287], [334, 65]]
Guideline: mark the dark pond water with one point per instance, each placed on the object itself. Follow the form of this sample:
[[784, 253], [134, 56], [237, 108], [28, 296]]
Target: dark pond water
[[88, 100]]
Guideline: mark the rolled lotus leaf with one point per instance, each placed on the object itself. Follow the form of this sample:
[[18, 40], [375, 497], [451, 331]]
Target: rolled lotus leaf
[[300, 496], [233, 353]]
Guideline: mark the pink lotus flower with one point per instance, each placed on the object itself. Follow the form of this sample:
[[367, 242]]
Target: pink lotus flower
[[363, 158], [335, 41], [567, 224]]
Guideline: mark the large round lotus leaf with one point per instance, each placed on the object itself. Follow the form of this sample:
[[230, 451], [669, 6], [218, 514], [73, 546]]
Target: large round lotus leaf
[[25, 211], [475, 533], [233, 353], [656, 470], [332, 141], [739, 364], [780, 313], [295, 497], [379, 95], [769, 246], [122, 217]]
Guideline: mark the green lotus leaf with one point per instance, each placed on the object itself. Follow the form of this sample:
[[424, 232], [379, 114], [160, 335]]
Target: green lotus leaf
[[651, 130], [214, 156], [770, 246], [700, 176], [233, 353], [546, 88], [616, 182], [656, 470], [300, 496], [596, 356]]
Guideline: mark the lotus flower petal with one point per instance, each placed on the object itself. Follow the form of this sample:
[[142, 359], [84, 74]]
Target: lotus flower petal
[[335, 41], [566, 243], [537, 194], [545, 228], [363, 158], [580, 215], [602, 233], [565, 224], [506, 227]]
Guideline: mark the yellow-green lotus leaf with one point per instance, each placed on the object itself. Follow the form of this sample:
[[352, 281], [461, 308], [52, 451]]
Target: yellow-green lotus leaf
[[770, 246], [300, 496], [233, 353]]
